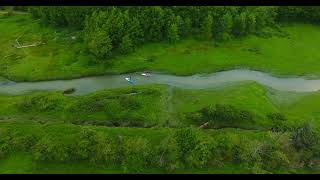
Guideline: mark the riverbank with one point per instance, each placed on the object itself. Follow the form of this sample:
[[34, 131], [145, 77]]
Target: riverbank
[[57, 119], [62, 57], [147, 106]]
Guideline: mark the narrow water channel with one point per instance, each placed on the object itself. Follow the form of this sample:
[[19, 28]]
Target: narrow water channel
[[89, 84]]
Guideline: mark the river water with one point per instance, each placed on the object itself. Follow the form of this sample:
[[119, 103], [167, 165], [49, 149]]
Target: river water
[[89, 84]]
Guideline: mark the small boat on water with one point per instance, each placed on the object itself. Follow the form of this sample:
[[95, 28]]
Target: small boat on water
[[146, 73], [129, 80]]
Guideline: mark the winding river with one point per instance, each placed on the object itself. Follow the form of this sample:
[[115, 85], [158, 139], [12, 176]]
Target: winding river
[[89, 84]]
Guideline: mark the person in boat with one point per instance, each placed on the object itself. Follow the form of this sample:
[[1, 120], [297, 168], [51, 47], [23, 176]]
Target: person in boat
[[146, 73], [129, 79]]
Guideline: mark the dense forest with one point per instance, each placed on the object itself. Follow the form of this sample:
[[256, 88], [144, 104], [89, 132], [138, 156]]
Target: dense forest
[[110, 29]]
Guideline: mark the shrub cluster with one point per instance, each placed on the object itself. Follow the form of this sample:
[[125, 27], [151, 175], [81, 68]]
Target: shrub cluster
[[220, 115], [185, 148], [107, 108]]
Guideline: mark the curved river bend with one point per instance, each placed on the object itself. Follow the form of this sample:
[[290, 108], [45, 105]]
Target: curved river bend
[[90, 84]]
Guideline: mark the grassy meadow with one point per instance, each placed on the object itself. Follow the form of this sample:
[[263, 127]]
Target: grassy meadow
[[152, 107], [63, 57]]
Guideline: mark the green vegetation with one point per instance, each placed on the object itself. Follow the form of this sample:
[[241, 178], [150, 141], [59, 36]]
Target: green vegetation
[[236, 128], [135, 107], [63, 57], [244, 96], [149, 106], [44, 117], [59, 143]]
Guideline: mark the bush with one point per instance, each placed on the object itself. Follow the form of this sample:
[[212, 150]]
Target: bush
[[99, 44], [88, 145], [273, 157], [104, 151], [126, 45], [196, 117], [5, 139], [245, 115], [25, 142], [44, 103], [201, 155], [230, 113], [94, 147], [168, 153], [280, 127], [48, 149], [278, 122], [207, 112], [136, 154], [220, 114], [276, 116], [223, 149], [304, 137], [186, 140], [244, 154]]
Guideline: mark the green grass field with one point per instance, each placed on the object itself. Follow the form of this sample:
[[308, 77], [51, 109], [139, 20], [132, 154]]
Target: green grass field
[[151, 106], [107, 107], [62, 57]]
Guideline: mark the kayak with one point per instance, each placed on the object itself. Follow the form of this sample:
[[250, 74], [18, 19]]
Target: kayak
[[146, 74], [129, 80]]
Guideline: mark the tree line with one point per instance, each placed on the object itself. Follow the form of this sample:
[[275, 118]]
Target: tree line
[[223, 115], [309, 14], [184, 148], [111, 30]]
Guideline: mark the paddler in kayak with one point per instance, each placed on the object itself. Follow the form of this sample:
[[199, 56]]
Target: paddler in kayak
[[129, 79], [146, 73]]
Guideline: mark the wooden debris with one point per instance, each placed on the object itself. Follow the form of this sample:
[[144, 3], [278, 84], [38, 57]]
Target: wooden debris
[[30, 45], [19, 46], [205, 125]]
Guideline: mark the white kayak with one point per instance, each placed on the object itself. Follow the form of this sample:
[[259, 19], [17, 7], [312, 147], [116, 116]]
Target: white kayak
[[146, 74]]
